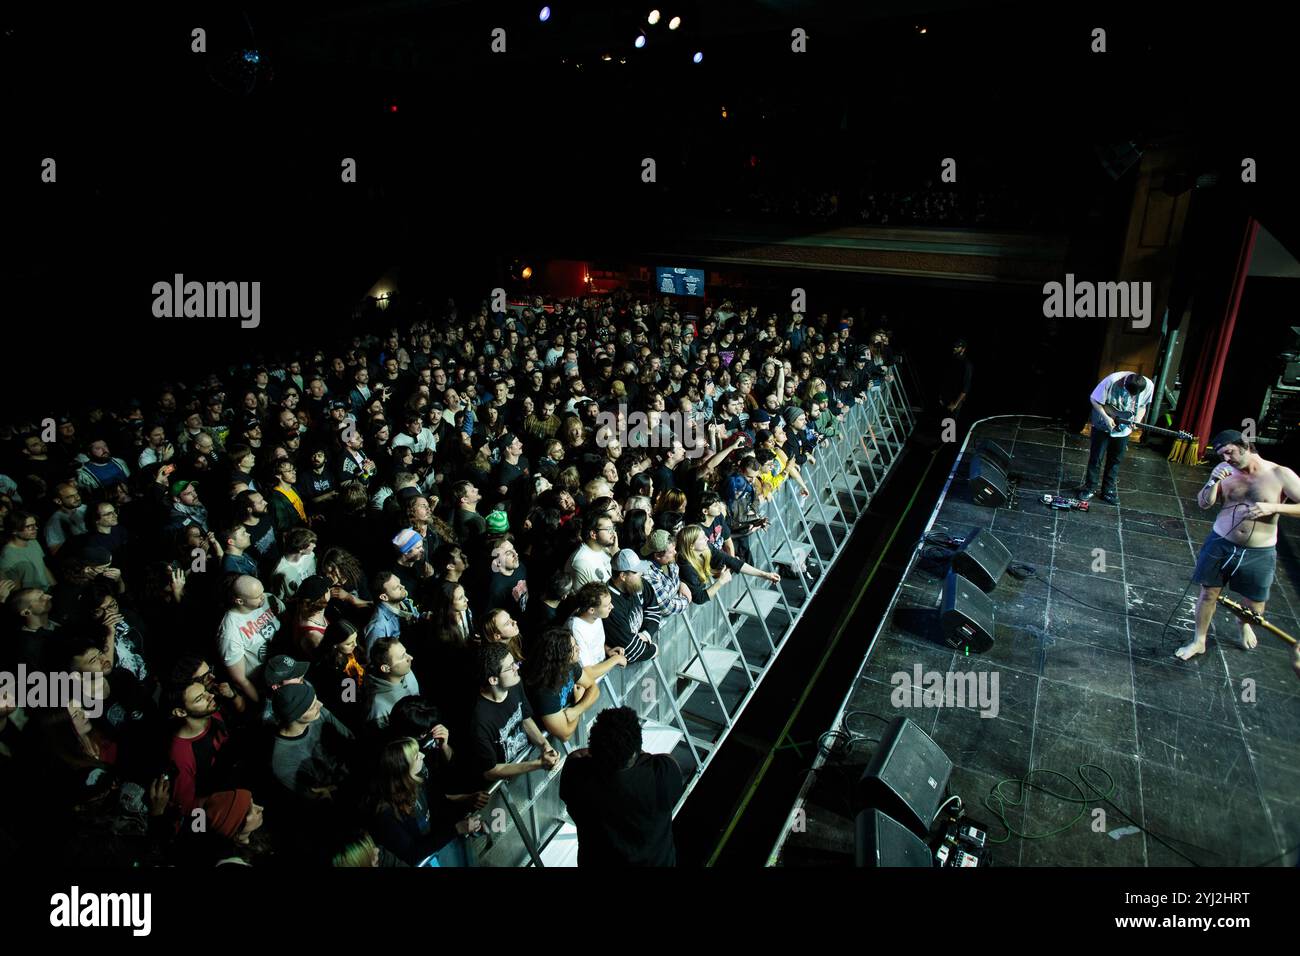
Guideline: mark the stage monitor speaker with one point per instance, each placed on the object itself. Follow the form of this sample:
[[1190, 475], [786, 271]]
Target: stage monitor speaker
[[992, 451], [1291, 376], [988, 484], [966, 615], [907, 777], [882, 841], [982, 559]]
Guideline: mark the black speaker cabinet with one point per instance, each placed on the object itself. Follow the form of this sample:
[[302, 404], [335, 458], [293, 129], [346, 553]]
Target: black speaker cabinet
[[982, 558], [991, 451], [988, 483], [966, 615], [907, 777], [883, 841]]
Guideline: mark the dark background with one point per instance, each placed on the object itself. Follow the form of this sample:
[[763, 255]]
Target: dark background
[[171, 161]]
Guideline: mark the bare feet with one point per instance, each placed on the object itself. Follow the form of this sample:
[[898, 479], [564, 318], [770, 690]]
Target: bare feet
[[1188, 651], [1248, 640]]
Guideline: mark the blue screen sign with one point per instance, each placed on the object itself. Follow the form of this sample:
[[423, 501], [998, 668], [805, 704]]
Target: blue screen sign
[[680, 281]]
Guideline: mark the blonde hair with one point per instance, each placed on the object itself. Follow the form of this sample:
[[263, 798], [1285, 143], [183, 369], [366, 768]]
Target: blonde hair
[[701, 564], [359, 852], [492, 634]]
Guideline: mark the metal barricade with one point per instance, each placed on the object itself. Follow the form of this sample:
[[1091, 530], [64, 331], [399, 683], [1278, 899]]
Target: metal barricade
[[700, 650]]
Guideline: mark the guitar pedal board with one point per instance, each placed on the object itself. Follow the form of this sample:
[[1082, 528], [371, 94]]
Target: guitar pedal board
[[1064, 504]]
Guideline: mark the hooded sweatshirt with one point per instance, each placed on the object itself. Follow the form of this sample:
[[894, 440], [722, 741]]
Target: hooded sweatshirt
[[382, 694]]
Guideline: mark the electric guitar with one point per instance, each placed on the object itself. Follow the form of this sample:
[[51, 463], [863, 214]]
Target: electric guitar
[[1123, 419]]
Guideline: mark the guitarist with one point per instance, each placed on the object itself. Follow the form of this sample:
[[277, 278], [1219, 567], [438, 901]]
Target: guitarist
[[1129, 395], [1241, 549]]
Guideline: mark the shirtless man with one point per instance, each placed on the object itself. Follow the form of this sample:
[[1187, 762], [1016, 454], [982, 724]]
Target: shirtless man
[[1241, 549]]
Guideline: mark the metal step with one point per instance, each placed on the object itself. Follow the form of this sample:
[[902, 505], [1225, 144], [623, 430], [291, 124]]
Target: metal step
[[715, 662], [766, 601]]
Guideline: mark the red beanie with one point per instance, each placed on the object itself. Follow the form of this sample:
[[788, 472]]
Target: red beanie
[[227, 811]]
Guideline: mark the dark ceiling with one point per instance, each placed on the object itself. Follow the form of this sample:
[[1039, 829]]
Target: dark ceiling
[[548, 138]]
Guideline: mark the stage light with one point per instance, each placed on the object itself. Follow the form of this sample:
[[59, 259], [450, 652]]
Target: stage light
[[674, 23], [653, 18], [544, 14], [724, 112], [640, 41], [698, 56], [392, 108], [252, 56], [606, 57], [528, 272]]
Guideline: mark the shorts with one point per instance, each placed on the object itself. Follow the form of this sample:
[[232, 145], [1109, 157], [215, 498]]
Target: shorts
[[1246, 571]]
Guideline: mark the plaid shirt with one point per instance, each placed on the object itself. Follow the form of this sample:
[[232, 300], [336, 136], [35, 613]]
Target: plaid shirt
[[665, 581]]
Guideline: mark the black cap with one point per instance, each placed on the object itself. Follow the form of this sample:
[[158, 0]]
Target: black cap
[[1229, 437]]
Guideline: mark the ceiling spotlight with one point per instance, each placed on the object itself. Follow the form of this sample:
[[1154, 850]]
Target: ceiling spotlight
[[922, 30], [653, 18], [674, 23], [544, 14], [606, 57], [640, 41], [698, 56], [528, 272]]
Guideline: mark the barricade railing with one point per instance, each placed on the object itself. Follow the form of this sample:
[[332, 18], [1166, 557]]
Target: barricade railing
[[707, 668]]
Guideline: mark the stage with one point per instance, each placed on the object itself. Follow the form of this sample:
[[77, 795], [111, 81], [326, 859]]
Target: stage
[[1202, 753]]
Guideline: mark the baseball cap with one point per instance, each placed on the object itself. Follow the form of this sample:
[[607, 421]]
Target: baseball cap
[[657, 543], [629, 560], [283, 668], [314, 588], [337, 403], [292, 701], [180, 486]]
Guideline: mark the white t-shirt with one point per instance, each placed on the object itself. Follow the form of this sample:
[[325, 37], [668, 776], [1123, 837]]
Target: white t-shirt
[[289, 574], [591, 640], [1110, 391], [246, 635], [587, 565], [425, 441]]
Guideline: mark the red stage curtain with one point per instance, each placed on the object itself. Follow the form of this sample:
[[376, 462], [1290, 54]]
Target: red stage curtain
[[1202, 391]]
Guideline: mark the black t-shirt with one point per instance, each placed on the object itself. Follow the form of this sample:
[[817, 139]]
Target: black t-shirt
[[264, 546], [498, 730], [552, 701], [663, 478], [624, 818], [509, 592], [317, 485], [718, 532]]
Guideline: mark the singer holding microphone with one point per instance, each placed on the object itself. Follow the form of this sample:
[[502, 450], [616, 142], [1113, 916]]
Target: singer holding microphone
[[1241, 550]]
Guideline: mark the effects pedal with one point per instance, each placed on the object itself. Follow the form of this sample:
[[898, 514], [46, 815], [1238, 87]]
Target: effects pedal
[[1064, 504]]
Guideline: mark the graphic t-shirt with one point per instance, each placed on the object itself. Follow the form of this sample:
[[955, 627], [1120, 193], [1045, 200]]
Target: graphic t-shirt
[[499, 735], [550, 701], [1111, 391], [246, 635]]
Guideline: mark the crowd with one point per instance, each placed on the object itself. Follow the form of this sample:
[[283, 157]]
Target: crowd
[[310, 611]]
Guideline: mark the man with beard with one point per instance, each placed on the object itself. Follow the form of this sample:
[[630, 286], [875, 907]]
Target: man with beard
[[1241, 549], [199, 752], [252, 510], [635, 617], [186, 508]]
